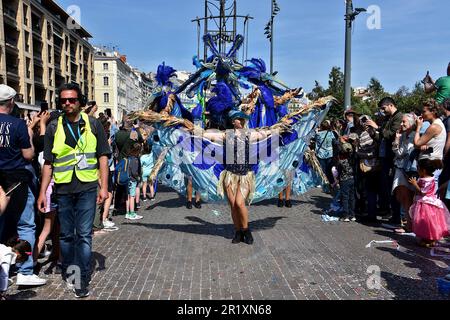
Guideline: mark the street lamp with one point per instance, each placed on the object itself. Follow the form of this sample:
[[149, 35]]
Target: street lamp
[[269, 30], [350, 16]]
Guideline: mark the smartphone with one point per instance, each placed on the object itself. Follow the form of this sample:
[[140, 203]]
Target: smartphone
[[14, 187], [44, 107]]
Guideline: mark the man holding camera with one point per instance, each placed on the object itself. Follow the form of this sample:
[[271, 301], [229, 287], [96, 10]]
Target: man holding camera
[[387, 134]]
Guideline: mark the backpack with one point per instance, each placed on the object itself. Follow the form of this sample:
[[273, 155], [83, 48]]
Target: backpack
[[122, 172]]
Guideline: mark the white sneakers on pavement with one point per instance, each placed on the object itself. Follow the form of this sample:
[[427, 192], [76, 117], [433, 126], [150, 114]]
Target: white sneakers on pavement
[[108, 224], [30, 280], [133, 216]]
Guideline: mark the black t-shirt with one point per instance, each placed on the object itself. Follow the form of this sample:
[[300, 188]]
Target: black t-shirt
[[103, 149]]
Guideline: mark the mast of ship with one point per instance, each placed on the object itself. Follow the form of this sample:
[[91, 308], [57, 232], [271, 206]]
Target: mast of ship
[[222, 20]]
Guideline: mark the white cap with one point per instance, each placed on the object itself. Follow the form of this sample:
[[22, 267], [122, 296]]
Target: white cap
[[6, 92]]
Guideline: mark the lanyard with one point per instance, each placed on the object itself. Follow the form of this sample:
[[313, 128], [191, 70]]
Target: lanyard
[[80, 139]]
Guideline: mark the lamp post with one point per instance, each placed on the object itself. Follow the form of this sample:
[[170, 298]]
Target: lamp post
[[350, 16], [269, 30]]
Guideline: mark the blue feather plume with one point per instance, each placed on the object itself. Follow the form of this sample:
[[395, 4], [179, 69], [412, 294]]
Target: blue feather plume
[[164, 74], [255, 70], [223, 99]]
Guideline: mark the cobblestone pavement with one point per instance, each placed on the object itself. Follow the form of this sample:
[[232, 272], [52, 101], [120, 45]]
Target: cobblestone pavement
[[178, 254]]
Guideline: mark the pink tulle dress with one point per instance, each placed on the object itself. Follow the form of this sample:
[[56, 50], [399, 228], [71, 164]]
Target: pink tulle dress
[[430, 217]]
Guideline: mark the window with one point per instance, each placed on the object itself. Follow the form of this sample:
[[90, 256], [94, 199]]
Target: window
[[105, 66], [105, 81], [106, 97]]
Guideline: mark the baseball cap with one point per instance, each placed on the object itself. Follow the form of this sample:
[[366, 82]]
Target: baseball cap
[[350, 111], [6, 92]]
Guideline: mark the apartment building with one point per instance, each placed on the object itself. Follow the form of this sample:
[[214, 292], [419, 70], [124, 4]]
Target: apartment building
[[119, 86], [41, 48]]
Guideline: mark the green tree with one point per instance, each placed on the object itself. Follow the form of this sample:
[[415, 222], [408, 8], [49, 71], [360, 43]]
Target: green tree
[[317, 92], [336, 89], [409, 101], [375, 89]]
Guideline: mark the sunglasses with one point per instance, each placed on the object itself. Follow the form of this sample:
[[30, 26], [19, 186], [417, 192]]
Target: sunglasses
[[71, 100]]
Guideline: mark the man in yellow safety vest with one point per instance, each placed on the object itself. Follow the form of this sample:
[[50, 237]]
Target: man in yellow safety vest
[[76, 155]]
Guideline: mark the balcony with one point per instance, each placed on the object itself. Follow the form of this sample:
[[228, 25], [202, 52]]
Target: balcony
[[38, 80], [12, 69], [10, 16], [13, 73], [11, 44], [38, 60], [57, 45], [58, 31], [37, 33], [11, 49]]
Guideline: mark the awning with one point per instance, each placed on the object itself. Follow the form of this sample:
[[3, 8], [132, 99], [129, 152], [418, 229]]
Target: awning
[[29, 107]]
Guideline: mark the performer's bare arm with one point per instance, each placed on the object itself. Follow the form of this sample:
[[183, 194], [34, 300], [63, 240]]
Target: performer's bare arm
[[170, 104], [288, 96], [283, 126], [214, 136], [248, 105]]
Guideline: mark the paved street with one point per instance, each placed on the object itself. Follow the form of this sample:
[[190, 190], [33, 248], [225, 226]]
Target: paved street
[[179, 254]]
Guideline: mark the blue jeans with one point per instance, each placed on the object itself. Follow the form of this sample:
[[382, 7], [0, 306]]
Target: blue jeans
[[348, 198], [76, 215], [26, 230]]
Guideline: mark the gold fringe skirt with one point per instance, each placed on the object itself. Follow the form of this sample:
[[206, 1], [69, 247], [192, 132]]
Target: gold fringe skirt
[[247, 184]]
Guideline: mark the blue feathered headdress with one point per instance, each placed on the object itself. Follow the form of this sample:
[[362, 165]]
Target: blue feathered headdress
[[255, 70], [164, 74], [223, 99]]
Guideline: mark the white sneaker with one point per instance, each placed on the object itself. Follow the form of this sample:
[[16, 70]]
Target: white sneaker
[[133, 217], [30, 280], [108, 224]]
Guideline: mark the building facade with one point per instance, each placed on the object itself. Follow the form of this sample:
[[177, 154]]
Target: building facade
[[41, 48], [118, 86]]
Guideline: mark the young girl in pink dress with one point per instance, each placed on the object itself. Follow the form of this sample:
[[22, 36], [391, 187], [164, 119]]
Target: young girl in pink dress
[[430, 217]]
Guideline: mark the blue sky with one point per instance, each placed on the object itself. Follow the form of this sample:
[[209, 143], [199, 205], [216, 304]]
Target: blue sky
[[309, 39]]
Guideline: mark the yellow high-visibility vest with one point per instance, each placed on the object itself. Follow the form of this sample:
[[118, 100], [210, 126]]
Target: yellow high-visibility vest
[[68, 159]]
